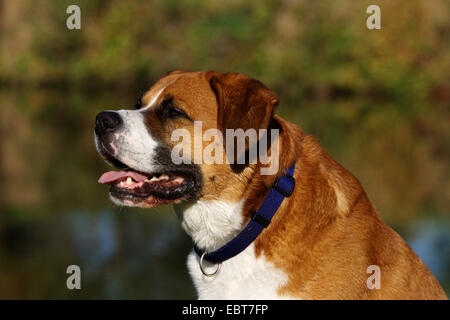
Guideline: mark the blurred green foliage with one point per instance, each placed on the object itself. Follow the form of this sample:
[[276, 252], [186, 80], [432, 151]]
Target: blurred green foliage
[[295, 47], [378, 100]]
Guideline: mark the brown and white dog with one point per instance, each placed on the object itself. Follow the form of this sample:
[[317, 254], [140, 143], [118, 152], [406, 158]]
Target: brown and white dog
[[321, 240]]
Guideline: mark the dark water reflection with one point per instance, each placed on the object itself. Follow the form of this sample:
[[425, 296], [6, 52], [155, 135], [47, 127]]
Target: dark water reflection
[[121, 255], [54, 214]]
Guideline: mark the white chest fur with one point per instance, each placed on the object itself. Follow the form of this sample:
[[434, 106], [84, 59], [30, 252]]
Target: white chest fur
[[211, 224], [241, 277]]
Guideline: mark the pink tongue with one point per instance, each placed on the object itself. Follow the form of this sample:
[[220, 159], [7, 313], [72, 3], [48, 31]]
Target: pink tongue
[[112, 176]]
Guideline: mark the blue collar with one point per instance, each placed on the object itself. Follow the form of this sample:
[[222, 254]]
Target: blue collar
[[282, 187]]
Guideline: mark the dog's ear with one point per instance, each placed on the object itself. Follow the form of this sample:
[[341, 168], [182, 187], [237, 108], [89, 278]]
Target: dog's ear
[[243, 102], [176, 71]]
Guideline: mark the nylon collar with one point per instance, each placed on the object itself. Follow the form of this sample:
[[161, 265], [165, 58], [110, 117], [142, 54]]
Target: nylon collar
[[281, 188]]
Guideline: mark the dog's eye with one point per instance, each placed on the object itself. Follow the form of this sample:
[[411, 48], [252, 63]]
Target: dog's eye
[[168, 109], [174, 112]]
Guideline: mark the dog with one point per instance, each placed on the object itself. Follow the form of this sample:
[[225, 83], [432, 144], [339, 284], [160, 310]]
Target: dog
[[323, 240]]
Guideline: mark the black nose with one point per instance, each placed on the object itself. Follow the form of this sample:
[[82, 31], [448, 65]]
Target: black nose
[[107, 121]]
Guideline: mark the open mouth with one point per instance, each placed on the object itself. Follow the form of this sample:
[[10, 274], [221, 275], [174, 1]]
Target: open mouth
[[134, 188]]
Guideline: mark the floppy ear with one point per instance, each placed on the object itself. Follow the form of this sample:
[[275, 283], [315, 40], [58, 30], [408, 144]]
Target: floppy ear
[[176, 71], [243, 102]]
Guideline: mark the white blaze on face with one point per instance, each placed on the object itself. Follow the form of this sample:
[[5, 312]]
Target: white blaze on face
[[156, 96], [133, 144], [153, 100]]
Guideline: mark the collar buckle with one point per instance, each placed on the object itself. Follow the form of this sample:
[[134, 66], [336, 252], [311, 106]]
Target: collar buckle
[[285, 185]]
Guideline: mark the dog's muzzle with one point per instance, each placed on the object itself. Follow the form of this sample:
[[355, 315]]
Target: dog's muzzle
[[148, 177]]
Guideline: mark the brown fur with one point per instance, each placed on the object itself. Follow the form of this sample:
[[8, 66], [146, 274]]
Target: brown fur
[[327, 233], [325, 244]]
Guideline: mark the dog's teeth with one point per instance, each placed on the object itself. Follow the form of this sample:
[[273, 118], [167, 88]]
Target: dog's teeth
[[129, 181], [121, 183], [153, 179], [164, 177], [178, 180]]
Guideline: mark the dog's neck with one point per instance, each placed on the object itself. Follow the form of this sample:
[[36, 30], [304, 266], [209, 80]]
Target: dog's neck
[[211, 224]]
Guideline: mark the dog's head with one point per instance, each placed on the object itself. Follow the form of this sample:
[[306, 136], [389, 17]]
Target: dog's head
[[143, 142]]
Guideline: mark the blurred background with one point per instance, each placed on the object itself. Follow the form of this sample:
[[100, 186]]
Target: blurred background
[[378, 101]]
